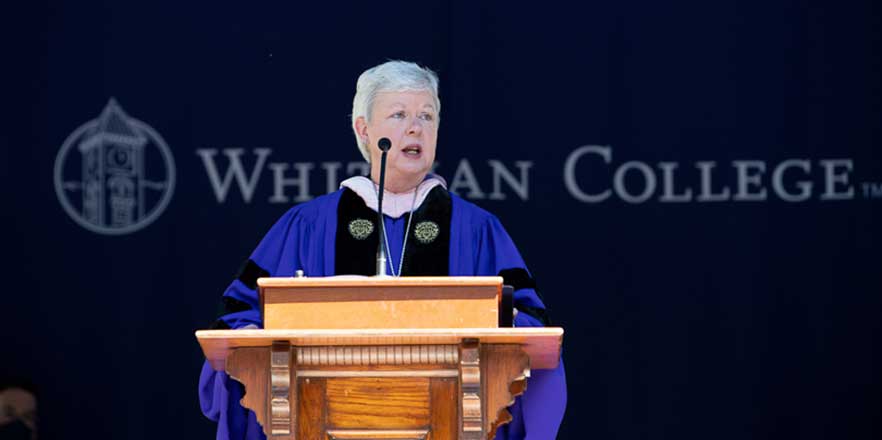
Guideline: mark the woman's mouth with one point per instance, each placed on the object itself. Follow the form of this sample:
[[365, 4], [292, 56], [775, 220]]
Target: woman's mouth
[[412, 150]]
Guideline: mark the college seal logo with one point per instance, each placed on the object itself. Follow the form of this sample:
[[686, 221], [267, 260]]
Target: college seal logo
[[361, 228], [115, 174], [426, 232]]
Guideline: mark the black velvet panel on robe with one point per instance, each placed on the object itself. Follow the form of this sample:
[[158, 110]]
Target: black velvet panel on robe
[[358, 256]]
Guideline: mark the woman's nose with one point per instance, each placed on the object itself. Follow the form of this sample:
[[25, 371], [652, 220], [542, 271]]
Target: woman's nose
[[415, 128]]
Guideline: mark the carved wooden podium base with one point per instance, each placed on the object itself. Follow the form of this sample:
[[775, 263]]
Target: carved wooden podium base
[[422, 384]]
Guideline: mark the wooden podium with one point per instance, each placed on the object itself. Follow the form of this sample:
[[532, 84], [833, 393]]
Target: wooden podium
[[381, 358]]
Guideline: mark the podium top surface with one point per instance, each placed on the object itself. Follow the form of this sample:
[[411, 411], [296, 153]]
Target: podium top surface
[[355, 281], [542, 344]]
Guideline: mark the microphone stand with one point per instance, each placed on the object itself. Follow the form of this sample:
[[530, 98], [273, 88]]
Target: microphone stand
[[381, 251]]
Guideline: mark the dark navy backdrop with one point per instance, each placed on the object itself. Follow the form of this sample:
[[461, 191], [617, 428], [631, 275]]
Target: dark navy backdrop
[[699, 319]]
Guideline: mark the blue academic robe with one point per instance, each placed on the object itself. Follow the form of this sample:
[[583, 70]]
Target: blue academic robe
[[304, 239]]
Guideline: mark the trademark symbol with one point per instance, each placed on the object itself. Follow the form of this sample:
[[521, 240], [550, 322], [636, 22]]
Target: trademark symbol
[[872, 190]]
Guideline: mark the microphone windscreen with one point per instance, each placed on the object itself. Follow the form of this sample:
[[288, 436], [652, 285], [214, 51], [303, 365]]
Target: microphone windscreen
[[385, 144]]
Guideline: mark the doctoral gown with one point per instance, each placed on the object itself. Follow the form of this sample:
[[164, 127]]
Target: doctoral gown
[[305, 238]]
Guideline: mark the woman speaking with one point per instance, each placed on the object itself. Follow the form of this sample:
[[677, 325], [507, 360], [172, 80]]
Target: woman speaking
[[428, 231]]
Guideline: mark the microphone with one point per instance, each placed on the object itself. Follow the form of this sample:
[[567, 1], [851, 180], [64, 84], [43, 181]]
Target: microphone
[[384, 144]]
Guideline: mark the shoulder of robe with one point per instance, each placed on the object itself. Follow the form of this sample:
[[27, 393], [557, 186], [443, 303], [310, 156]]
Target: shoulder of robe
[[315, 208], [471, 212]]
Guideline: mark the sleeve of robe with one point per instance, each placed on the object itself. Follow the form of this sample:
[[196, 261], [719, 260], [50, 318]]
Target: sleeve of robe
[[280, 253], [537, 414]]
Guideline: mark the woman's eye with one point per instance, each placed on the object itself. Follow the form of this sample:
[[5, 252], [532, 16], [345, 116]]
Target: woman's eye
[[398, 115], [427, 117]]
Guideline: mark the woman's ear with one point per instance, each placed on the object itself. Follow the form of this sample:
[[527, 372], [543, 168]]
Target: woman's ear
[[362, 129]]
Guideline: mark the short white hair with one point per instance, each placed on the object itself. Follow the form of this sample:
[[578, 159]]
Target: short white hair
[[391, 76]]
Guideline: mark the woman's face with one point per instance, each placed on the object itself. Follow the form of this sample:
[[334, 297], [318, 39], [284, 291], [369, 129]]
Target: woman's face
[[409, 120]]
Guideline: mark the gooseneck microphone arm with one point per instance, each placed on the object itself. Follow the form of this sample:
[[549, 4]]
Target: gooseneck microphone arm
[[384, 144]]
